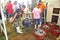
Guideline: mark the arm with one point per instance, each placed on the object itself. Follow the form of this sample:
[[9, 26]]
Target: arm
[[14, 16], [16, 13]]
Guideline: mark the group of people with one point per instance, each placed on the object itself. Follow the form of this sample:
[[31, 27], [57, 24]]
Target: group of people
[[14, 11]]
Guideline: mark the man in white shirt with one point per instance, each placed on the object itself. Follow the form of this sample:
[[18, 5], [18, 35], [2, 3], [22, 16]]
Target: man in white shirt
[[15, 6]]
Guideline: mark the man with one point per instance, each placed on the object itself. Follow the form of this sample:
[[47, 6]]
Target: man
[[37, 16], [10, 9], [15, 6], [42, 6], [16, 18]]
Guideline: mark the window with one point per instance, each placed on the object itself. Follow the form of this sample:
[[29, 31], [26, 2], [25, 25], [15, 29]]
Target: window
[[56, 10]]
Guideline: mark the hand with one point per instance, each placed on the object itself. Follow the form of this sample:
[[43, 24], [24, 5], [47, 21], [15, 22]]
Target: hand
[[11, 20]]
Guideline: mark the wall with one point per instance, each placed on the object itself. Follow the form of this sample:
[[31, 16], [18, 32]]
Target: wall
[[51, 4], [34, 3]]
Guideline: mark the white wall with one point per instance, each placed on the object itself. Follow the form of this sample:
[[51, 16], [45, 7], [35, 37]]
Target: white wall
[[51, 4]]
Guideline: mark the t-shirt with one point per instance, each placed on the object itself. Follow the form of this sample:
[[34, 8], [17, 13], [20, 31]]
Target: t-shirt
[[42, 6], [15, 7], [19, 12], [36, 13], [9, 8]]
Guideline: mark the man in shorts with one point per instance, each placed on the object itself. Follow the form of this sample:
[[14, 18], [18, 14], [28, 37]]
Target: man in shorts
[[37, 16]]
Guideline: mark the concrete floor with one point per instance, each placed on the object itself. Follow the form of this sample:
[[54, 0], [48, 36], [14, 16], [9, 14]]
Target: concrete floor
[[27, 35]]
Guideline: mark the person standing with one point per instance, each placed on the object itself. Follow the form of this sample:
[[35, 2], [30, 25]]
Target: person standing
[[42, 6], [43, 9], [37, 16], [15, 6], [9, 9]]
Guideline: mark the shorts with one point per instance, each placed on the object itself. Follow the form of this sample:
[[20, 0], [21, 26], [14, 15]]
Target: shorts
[[37, 21], [10, 15]]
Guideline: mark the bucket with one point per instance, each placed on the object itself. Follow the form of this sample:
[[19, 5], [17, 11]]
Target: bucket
[[46, 27], [55, 30], [39, 34]]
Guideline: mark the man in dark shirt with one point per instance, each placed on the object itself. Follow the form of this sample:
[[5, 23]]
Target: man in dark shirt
[[15, 18]]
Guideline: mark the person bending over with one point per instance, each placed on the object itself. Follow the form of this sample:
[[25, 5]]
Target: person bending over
[[15, 19]]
